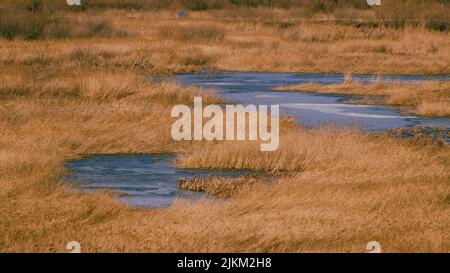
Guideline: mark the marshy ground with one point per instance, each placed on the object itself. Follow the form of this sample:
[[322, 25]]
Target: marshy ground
[[69, 92], [429, 99]]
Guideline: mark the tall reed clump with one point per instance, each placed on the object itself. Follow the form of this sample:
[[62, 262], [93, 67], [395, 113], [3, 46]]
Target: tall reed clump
[[221, 186]]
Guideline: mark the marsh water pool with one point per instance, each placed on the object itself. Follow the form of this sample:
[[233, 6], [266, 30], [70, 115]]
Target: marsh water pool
[[150, 181], [313, 109]]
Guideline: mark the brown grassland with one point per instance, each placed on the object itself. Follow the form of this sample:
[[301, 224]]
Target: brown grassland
[[65, 94]]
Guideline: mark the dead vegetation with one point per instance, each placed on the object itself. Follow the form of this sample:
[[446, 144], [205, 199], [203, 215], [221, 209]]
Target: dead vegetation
[[64, 98], [222, 187]]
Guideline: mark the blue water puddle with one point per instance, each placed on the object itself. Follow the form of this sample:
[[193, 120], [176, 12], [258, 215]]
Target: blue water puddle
[[313, 110], [148, 181]]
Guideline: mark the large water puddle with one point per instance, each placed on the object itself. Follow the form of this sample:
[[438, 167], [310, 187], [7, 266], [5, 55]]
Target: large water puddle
[[313, 109], [148, 181]]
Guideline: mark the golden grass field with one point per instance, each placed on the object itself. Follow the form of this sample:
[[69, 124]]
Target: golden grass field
[[333, 190]]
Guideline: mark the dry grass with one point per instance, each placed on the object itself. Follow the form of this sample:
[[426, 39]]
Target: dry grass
[[184, 34], [62, 99], [163, 43], [352, 189], [430, 99], [102, 87], [222, 187]]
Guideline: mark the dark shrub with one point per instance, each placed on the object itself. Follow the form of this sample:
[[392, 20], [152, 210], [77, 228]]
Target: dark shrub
[[43, 25], [25, 26]]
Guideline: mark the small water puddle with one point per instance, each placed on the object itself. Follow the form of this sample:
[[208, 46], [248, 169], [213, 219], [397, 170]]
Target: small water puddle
[[147, 181]]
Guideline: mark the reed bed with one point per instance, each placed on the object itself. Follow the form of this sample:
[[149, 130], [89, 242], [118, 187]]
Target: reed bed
[[61, 99]]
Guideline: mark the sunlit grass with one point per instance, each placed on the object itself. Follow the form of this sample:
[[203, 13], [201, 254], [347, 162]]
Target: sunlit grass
[[332, 190]]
